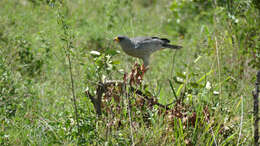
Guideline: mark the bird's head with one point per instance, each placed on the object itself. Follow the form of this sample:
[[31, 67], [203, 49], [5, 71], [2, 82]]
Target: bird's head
[[120, 38]]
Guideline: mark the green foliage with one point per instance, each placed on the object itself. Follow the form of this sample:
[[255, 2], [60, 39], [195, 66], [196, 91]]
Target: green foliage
[[204, 85], [104, 63], [28, 63], [8, 99]]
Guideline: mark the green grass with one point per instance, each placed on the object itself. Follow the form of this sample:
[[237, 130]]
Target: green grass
[[220, 48]]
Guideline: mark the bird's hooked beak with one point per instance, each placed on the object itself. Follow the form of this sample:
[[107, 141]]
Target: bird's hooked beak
[[116, 39]]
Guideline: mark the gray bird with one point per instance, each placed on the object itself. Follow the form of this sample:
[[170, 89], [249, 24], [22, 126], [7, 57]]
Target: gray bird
[[143, 47]]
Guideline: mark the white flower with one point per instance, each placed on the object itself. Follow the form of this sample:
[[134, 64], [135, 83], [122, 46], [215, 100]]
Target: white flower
[[215, 92], [208, 85]]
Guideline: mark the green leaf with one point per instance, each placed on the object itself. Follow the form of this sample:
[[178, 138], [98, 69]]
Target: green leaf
[[174, 93], [203, 77], [174, 6], [116, 62], [228, 139], [179, 89], [112, 52], [194, 84], [182, 75]]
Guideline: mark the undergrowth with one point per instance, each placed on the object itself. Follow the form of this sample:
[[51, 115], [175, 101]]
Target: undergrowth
[[200, 95]]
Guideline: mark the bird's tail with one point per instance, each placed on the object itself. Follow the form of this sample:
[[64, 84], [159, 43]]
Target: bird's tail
[[172, 46]]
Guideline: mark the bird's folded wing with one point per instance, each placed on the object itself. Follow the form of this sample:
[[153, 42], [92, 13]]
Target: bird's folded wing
[[148, 42]]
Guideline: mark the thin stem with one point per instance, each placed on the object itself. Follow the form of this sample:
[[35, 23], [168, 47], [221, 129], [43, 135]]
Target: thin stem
[[173, 63], [68, 39], [73, 92], [241, 121], [219, 71], [216, 45], [129, 114]]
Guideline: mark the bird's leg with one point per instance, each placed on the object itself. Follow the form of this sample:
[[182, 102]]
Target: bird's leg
[[146, 60]]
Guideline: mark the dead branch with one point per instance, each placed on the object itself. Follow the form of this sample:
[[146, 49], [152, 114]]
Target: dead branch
[[102, 88]]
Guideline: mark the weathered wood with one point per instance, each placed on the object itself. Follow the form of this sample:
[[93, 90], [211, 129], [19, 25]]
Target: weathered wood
[[102, 88]]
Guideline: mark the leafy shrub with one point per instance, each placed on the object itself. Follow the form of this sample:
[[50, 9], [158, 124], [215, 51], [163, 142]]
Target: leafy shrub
[[8, 91]]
